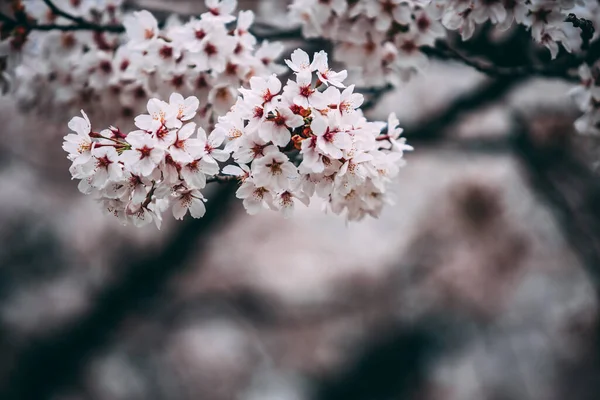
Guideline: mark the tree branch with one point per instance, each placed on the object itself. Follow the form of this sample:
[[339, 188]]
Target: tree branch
[[432, 128], [571, 190], [61, 13], [558, 69], [266, 31]]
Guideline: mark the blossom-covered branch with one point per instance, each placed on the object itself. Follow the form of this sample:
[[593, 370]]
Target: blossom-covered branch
[[206, 57], [396, 19], [289, 143], [284, 142]]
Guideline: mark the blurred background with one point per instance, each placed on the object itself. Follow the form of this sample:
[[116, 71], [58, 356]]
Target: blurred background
[[481, 282]]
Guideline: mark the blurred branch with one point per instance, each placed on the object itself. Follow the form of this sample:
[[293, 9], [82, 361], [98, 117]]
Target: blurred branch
[[11, 24], [432, 128], [557, 69], [374, 95], [51, 363], [571, 189], [392, 367], [61, 13]]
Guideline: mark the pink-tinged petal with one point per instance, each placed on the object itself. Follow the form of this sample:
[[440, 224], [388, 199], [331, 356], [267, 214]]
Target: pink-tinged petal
[[130, 157], [342, 140], [245, 190], [145, 166], [180, 155], [156, 155], [258, 84], [80, 125], [294, 121], [176, 98], [138, 139], [274, 84], [197, 208], [319, 61], [209, 166], [145, 122], [201, 134], [233, 170], [186, 131], [85, 186], [304, 78], [195, 179], [179, 209], [319, 125], [280, 136], [220, 155]]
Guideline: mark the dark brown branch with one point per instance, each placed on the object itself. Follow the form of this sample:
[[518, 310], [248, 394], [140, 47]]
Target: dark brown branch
[[558, 69], [61, 13], [433, 127], [374, 95], [81, 23], [10, 24], [72, 28]]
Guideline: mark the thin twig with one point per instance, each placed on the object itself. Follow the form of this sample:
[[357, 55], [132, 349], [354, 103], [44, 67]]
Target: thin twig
[[61, 13]]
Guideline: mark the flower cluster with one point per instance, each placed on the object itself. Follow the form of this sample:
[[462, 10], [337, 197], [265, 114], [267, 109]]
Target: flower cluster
[[309, 138], [289, 143], [544, 18], [51, 70], [137, 176], [209, 57], [383, 38]]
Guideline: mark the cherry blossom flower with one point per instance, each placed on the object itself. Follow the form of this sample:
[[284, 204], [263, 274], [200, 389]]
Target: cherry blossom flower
[[209, 146], [330, 140], [142, 28], [255, 198], [326, 75], [300, 62], [277, 128], [284, 201], [186, 107], [263, 92], [79, 144], [189, 200], [144, 156], [117, 73], [220, 10], [183, 144], [160, 115], [273, 170]]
